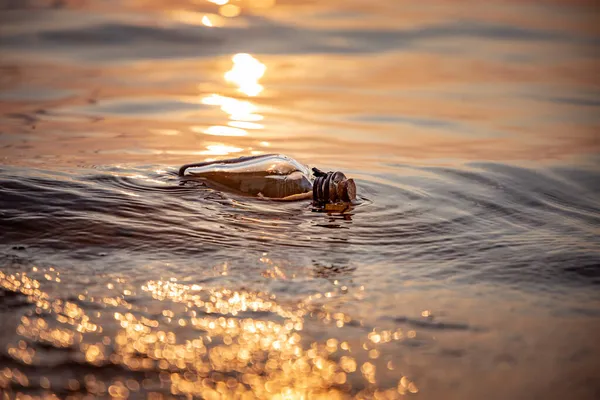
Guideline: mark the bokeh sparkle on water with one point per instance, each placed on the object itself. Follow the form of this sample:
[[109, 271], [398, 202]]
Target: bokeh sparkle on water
[[235, 344]]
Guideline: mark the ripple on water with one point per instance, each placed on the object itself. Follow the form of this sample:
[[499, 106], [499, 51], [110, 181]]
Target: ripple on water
[[501, 218], [192, 338], [183, 289]]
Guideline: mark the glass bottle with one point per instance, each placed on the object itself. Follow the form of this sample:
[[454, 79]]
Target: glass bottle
[[273, 176]]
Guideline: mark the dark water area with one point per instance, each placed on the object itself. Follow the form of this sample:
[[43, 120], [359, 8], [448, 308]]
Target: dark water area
[[506, 224], [468, 268]]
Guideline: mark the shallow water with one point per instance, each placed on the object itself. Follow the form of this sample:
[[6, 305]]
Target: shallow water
[[469, 268]]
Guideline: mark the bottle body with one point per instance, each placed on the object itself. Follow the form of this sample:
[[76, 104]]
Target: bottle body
[[273, 176]]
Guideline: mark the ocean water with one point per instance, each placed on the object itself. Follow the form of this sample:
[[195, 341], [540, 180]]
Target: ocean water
[[469, 268]]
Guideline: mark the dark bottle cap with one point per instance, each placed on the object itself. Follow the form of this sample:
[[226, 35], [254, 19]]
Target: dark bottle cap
[[332, 187]]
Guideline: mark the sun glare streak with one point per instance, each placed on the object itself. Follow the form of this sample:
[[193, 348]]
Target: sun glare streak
[[220, 150], [230, 105], [206, 21], [226, 10], [246, 117], [196, 18], [220, 130], [245, 125], [242, 114], [245, 73]]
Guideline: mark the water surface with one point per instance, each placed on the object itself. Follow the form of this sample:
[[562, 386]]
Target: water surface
[[469, 268]]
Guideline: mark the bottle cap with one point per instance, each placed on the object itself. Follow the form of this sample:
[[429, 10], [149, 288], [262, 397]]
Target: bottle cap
[[332, 187], [347, 190]]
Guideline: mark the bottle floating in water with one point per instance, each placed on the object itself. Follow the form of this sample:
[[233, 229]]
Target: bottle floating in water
[[274, 176]]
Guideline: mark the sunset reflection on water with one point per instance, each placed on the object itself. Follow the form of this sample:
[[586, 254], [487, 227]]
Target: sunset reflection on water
[[467, 268], [420, 106], [245, 73], [236, 344], [242, 114]]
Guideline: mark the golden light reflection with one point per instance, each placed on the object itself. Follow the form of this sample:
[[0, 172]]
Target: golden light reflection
[[239, 110], [245, 73], [220, 150], [245, 125], [230, 10], [256, 4], [196, 18], [224, 131], [166, 132], [207, 342], [226, 9], [206, 21], [262, 3], [242, 114]]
